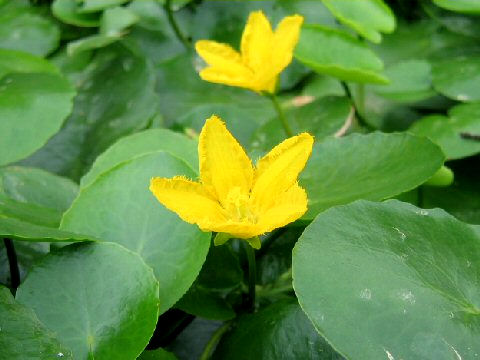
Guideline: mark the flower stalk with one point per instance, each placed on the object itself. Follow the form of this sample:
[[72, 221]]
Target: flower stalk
[[252, 276], [174, 25], [280, 114], [13, 264]]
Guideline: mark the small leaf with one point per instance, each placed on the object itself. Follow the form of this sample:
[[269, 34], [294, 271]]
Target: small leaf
[[462, 6], [406, 277], [338, 54], [68, 12], [367, 17], [451, 133], [32, 108], [26, 31], [102, 300], [458, 77], [410, 81]]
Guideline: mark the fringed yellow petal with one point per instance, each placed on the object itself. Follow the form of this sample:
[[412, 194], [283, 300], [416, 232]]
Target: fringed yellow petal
[[224, 165], [256, 43], [288, 207], [222, 58], [285, 39], [188, 199], [231, 78], [277, 171], [240, 230]]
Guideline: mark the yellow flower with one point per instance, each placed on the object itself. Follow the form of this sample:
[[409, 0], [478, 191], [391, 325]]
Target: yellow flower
[[233, 196], [264, 54]]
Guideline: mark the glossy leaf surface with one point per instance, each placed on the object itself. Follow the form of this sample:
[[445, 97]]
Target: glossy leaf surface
[[417, 294], [119, 207], [102, 300]]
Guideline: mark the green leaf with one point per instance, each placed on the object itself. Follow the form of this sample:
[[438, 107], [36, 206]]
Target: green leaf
[[443, 177], [116, 98], [224, 259], [410, 81], [90, 43], [24, 337], [447, 131], [157, 354], [36, 186], [68, 12], [102, 300], [116, 20], [458, 77], [280, 331], [32, 109], [22, 62], [407, 278], [242, 110], [28, 254], [367, 17], [201, 302], [373, 167], [462, 6], [88, 6], [21, 229], [142, 143], [27, 31], [340, 55], [321, 118], [131, 216]]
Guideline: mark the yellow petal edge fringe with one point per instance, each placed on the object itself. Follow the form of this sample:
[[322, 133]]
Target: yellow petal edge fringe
[[264, 54], [232, 196]]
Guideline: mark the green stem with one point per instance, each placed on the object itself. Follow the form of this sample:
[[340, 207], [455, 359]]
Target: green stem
[[13, 264], [281, 115], [252, 276], [217, 335], [358, 109], [174, 25]]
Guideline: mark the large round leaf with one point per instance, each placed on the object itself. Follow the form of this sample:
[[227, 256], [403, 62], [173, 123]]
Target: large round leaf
[[32, 109], [374, 167], [23, 336], [280, 331], [142, 143], [119, 207], [102, 299], [367, 17], [391, 281], [338, 54], [452, 132]]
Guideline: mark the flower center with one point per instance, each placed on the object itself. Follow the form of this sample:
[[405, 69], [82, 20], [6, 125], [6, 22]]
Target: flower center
[[238, 206]]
